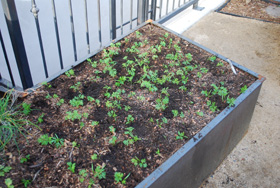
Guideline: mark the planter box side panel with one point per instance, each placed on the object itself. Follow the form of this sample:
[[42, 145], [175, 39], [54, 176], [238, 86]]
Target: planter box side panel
[[195, 161]]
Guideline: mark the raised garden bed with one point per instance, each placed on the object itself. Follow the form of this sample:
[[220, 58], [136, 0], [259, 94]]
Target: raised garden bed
[[151, 99]]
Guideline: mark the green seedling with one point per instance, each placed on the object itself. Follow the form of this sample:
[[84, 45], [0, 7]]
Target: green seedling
[[200, 114], [230, 101], [212, 58], [243, 89], [181, 136], [204, 70], [83, 174], [90, 183], [220, 64], [90, 99], [164, 120], [4, 169], [82, 124], [76, 87], [199, 75], [212, 106], [48, 96], [60, 102], [71, 166], [112, 129], [26, 108], [9, 183], [46, 84], [99, 172], [94, 157], [129, 119], [182, 115], [112, 114], [40, 118], [73, 115], [58, 142], [70, 73], [175, 113], [25, 182], [137, 162], [44, 139], [119, 178], [25, 159], [93, 64], [113, 140], [74, 144], [94, 123], [158, 152], [77, 101]]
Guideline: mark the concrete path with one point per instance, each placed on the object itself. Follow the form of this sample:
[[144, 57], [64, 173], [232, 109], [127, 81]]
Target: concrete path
[[255, 162]]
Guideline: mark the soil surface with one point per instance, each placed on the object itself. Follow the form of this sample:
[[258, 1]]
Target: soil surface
[[142, 98], [256, 45], [258, 9]]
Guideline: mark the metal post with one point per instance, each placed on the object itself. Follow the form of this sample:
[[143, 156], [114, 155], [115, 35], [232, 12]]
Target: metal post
[[35, 11], [131, 13], [160, 9], [73, 30], [57, 35], [17, 42], [146, 10], [141, 12], [87, 32], [167, 3], [113, 18], [7, 60], [154, 9], [173, 5], [121, 17], [99, 22], [196, 7]]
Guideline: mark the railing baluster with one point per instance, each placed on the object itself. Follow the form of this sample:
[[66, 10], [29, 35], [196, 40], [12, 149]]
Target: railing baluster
[[35, 11], [87, 32], [131, 13], [154, 8], [173, 6], [160, 6], [73, 30], [57, 35], [7, 60], [113, 18], [121, 17], [167, 3], [99, 23], [179, 3]]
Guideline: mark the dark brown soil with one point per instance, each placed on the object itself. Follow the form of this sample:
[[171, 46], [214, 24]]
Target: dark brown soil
[[48, 165], [254, 9]]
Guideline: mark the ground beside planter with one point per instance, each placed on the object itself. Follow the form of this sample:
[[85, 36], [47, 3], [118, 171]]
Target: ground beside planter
[[156, 90]]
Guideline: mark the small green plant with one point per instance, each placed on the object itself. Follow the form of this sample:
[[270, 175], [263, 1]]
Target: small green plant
[[77, 101], [76, 87], [158, 152], [230, 101], [46, 84], [182, 115], [25, 182], [129, 119], [58, 142], [44, 139], [83, 174], [94, 157], [9, 183], [212, 106], [220, 64], [70, 73], [200, 113], [138, 34], [25, 159], [113, 140], [73, 115], [99, 172], [60, 102], [212, 58], [175, 113], [243, 89], [119, 177], [90, 183], [71, 166], [204, 70], [137, 162], [199, 75], [40, 118], [181, 136], [26, 108], [4, 169]]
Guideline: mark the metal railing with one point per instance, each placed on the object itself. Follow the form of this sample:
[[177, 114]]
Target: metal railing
[[22, 69]]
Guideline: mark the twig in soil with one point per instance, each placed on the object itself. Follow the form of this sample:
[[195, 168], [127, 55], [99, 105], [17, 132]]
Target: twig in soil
[[36, 165], [59, 163], [37, 173], [70, 155], [232, 67]]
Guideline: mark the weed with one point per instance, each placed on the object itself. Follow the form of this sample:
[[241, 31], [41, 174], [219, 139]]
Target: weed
[[77, 101], [25, 159], [46, 84], [90, 99], [158, 152], [230, 101], [60, 102], [212, 58], [204, 70], [76, 87], [4, 169], [199, 75], [71, 166], [212, 106], [26, 108], [220, 64], [181, 136], [113, 140], [182, 115], [138, 34], [94, 123]]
